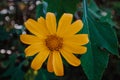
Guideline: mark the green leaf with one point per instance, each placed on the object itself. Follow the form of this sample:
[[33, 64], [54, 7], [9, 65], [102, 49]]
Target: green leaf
[[10, 64], [15, 70], [62, 6], [97, 13], [108, 19], [45, 75], [18, 75], [29, 75], [94, 62], [41, 75], [10, 61], [8, 72], [93, 6], [102, 41], [41, 9], [102, 30], [3, 34]]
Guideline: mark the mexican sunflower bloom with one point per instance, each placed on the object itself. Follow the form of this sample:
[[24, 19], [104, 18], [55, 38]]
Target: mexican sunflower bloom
[[51, 43]]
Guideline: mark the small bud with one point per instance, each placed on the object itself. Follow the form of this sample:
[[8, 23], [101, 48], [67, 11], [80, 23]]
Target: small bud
[[35, 72]]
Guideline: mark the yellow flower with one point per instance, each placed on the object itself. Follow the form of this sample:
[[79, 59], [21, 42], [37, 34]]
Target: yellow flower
[[49, 41]]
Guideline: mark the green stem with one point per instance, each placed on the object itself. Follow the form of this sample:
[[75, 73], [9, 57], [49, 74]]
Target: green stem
[[85, 9], [85, 16]]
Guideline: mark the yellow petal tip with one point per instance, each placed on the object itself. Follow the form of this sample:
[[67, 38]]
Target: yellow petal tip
[[61, 74]]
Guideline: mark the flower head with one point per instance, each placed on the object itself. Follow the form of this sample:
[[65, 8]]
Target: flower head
[[49, 41]]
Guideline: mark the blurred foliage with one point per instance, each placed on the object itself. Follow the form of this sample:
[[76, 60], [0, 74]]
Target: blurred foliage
[[101, 21]]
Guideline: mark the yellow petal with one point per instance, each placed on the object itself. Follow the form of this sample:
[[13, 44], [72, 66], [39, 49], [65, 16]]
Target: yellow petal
[[39, 59], [42, 22], [51, 22], [74, 28], [50, 63], [64, 23], [33, 49], [76, 49], [57, 64], [29, 39], [35, 27], [32, 29], [79, 39], [70, 58]]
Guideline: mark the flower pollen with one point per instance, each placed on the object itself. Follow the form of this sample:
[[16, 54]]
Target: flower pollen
[[54, 42]]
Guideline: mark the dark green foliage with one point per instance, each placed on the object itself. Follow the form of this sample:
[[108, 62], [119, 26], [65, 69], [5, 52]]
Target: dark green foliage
[[62, 6], [41, 9]]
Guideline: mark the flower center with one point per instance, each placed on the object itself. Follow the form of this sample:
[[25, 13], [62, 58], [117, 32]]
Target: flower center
[[54, 42]]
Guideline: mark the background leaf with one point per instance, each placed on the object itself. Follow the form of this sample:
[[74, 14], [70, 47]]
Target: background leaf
[[102, 39], [44, 75], [62, 6], [41, 9]]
